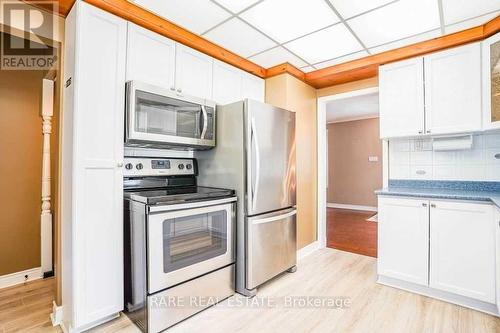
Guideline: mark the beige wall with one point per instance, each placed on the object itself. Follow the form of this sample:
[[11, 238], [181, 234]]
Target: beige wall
[[20, 170], [290, 93], [350, 86], [351, 177]]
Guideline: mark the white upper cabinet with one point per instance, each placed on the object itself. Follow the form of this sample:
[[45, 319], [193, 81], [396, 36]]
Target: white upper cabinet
[[226, 83], [252, 87], [462, 249], [150, 57], [401, 98], [403, 239], [491, 82], [453, 90], [194, 73]]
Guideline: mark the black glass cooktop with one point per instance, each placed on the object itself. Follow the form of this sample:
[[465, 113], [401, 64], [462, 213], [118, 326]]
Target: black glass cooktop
[[177, 194]]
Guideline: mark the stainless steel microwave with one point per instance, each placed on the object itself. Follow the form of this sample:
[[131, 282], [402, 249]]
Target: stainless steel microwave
[[159, 118]]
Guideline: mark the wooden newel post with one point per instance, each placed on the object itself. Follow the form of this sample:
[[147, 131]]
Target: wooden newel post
[[46, 215]]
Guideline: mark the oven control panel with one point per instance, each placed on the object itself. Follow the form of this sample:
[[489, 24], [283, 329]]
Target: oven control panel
[[147, 166]]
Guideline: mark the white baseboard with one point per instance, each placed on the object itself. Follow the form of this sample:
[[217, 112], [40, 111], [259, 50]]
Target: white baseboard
[[308, 249], [56, 315], [353, 207], [20, 277]]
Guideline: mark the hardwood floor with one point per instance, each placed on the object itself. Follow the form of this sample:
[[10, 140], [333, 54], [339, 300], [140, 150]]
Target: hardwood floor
[[326, 274], [26, 308], [348, 230]]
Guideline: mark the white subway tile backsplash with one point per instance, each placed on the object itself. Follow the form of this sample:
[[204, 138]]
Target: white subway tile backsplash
[[415, 159]]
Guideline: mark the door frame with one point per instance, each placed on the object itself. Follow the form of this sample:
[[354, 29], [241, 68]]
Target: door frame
[[322, 175]]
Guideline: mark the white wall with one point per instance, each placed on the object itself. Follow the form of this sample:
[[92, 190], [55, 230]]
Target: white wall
[[409, 157]]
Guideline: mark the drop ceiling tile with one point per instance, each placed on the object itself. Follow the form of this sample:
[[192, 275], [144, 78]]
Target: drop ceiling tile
[[195, 15], [285, 20], [407, 41], [398, 20], [339, 60], [354, 7], [236, 6], [235, 35], [463, 25], [307, 69], [326, 44], [459, 10], [277, 56]]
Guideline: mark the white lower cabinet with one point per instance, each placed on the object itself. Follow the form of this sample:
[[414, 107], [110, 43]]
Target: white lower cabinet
[[462, 249], [497, 255], [92, 175], [403, 239], [442, 245]]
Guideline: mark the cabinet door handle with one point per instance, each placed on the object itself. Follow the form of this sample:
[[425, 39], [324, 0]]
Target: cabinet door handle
[[424, 204], [428, 131], [179, 90], [420, 132], [172, 88], [119, 164], [433, 206]]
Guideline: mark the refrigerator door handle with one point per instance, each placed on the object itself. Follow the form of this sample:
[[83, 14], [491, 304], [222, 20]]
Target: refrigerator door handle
[[255, 188], [275, 218]]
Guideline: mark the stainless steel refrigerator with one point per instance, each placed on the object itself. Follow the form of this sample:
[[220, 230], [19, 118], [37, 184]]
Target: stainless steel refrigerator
[[255, 155]]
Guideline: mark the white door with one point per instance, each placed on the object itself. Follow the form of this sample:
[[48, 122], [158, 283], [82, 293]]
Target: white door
[[226, 83], [99, 86], [401, 98], [194, 73], [453, 90], [491, 82], [150, 57], [403, 239], [462, 248], [252, 87]]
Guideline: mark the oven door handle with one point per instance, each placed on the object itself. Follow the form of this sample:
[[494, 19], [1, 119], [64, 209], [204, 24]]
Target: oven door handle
[[205, 122]]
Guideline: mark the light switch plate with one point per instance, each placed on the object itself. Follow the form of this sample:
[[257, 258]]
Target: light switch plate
[[372, 158]]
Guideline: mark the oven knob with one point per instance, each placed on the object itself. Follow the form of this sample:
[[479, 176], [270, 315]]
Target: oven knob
[[139, 166], [181, 166], [128, 166], [189, 166]]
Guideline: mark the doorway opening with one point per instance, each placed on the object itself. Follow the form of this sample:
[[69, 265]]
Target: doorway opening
[[352, 170]]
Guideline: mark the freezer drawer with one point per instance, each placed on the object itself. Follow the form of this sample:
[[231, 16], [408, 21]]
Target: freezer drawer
[[167, 308], [271, 245]]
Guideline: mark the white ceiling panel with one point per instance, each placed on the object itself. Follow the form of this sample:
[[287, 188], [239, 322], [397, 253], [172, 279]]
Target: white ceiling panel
[[459, 10], [326, 44], [470, 23], [195, 15], [407, 41], [236, 6], [342, 59], [284, 20], [239, 37], [351, 8], [396, 21], [277, 56]]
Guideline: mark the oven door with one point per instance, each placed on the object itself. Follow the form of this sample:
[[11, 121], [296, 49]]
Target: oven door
[[158, 117], [188, 243]]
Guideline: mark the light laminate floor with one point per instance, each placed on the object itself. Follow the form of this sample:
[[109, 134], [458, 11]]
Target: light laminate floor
[[337, 274]]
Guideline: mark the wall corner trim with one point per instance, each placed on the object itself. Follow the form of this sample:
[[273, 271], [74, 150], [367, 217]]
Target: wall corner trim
[[309, 249]]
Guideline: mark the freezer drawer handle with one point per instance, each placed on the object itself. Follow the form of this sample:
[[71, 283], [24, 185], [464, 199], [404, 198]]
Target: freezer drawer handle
[[275, 218]]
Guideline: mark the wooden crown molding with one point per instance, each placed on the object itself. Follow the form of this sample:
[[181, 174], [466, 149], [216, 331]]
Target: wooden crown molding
[[354, 70]]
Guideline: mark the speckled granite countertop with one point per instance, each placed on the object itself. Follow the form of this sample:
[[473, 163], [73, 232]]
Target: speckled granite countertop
[[458, 190]]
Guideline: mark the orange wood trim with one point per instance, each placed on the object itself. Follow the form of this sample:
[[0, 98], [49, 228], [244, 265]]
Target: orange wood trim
[[285, 68], [148, 20], [491, 27]]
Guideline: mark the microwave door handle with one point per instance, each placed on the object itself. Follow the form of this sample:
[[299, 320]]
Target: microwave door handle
[[205, 121], [257, 164]]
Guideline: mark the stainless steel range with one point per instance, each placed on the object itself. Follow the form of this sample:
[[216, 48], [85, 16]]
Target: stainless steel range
[[179, 242]]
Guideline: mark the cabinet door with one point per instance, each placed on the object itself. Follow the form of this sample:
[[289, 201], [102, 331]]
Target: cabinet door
[[150, 57], [491, 82], [227, 83], [403, 239], [252, 87], [497, 255], [193, 75], [462, 249], [453, 90], [401, 98], [97, 221]]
